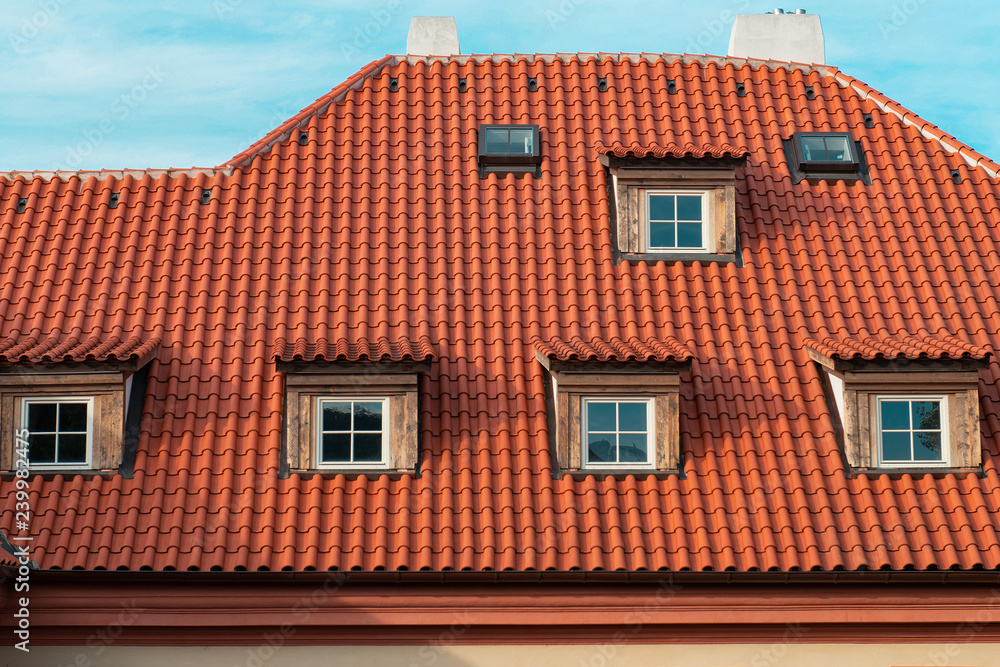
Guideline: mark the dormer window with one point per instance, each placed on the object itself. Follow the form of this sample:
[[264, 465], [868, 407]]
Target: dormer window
[[509, 148], [905, 404], [617, 403], [74, 401], [352, 404], [825, 152], [674, 203]]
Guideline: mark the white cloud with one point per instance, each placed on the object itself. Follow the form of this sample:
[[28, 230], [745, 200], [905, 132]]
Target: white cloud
[[233, 69]]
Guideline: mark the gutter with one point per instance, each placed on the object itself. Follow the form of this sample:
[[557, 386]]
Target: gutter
[[909, 577]]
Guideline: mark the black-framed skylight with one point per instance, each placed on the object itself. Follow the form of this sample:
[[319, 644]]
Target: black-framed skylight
[[509, 148], [825, 152]]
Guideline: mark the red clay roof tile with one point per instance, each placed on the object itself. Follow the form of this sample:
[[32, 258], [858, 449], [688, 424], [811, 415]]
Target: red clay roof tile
[[615, 349], [75, 347], [379, 229], [358, 349], [942, 346], [673, 150]]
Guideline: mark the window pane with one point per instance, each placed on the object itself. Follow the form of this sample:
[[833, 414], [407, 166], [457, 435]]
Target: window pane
[[601, 449], [689, 207], [336, 448], [688, 234], [73, 448], [600, 416], [896, 446], [336, 416], [661, 235], [895, 415], [41, 417], [521, 141], [632, 448], [814, 149], [926, 446], [631, 416], [838, 149], [661, 207], [926, 415], [42, 448], [368, 416], [496, 140], [368, 447], [72, 417]]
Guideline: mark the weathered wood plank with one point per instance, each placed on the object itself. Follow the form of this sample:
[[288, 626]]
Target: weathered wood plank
[[668, 177], [339, 380], [574, 428], [602, 383], [66, 381], [933, 381], [8, 428]]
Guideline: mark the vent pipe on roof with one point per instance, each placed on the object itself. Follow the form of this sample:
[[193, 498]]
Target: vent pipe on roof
[[432, 36], [778, 35]]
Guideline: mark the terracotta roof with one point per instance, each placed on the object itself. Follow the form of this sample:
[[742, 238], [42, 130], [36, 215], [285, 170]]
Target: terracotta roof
[[673, 150], [616, 349], [380, 225], [342, 349], [75, 347], [903, 347]]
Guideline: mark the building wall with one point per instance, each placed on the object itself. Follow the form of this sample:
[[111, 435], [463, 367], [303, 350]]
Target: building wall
[[746, 655]]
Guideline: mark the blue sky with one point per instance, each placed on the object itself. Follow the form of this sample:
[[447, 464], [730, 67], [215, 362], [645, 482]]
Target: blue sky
[[102, 84]]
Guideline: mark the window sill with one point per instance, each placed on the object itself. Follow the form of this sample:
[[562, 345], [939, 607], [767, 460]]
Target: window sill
[[896, 472], [683, 257], [619, 474], [49, 474], [353, 473]]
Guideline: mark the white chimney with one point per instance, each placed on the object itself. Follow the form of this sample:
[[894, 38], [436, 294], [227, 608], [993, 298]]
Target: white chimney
[[778, 36], [432, 36]]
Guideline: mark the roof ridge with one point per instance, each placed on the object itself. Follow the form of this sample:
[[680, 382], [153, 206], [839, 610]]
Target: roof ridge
[[952, 145], [116, 174], [617, 57], [319, 106]]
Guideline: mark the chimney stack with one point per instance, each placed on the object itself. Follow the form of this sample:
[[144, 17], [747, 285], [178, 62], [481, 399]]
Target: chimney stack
[[778, 35], [432, 36]]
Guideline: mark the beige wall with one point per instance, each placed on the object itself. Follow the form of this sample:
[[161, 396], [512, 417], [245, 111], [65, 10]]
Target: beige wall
[[667, 655]]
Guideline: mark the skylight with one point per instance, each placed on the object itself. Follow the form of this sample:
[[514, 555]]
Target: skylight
[[825, 152], [507, 148]]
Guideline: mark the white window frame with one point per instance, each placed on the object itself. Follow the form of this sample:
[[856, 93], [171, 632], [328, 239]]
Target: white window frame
[[89, 402], [338, 465], [942, 401], [648, 401], [705, 223]]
